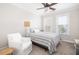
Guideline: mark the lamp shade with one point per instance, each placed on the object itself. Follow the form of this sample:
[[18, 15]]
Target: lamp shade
[[26, 23]]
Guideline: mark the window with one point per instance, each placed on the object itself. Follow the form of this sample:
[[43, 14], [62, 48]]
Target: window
[[63, 24]]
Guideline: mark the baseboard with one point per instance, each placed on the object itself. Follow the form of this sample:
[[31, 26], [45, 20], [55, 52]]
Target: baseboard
[[1, 48], [68, 41]]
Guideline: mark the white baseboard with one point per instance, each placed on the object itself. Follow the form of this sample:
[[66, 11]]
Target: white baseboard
[[3, 47], [68, 41]]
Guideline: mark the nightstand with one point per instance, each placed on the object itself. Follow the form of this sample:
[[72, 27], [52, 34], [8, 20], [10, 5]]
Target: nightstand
[[76, 44]]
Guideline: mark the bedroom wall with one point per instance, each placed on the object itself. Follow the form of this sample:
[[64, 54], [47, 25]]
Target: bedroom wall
[[35, 21], [11, 20], [73, 14], [74, 23]]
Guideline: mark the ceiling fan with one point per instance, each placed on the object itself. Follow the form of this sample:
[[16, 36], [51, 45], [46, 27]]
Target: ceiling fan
[[47, 5]]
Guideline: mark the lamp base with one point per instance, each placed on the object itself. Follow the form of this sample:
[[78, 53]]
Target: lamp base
[[26, 32]]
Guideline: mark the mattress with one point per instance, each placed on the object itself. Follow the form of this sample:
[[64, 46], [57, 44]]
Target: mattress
[[47, 39]]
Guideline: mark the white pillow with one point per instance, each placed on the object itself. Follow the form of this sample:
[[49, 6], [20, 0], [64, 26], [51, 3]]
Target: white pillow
[[37, 30]]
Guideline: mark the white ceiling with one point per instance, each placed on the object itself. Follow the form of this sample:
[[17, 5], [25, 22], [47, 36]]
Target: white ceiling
[[32, 7], [62, 6]]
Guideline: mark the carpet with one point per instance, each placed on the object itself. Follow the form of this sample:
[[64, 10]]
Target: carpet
[[64, 48]]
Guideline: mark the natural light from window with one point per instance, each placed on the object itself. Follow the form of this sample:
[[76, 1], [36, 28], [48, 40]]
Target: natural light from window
[[62, 24]]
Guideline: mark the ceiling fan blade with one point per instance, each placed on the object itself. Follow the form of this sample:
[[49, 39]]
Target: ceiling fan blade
[[47, 5], [52, 8], [53, 4], [40, 8], [44, 4]]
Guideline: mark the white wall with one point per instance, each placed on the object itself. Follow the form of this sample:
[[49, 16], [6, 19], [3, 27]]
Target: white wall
[[73, 14], [11, 20], [35, 21], [74, 23]]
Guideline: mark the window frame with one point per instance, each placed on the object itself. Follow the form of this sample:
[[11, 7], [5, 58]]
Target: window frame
[[60, 15]]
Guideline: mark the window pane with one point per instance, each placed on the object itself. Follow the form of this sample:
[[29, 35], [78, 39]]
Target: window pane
[[62, 24], [62, 20]]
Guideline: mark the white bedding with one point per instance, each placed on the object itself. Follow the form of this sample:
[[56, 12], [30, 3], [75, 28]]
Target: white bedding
[[47, 39]]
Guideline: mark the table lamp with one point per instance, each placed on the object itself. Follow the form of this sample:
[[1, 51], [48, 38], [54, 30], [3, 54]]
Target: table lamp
[[26, 25]]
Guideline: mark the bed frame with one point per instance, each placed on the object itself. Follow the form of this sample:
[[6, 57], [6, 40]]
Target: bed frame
[[43, 46]]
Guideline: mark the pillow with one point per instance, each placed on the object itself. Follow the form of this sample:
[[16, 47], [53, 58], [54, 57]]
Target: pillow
[[31, 30], [37, 30]]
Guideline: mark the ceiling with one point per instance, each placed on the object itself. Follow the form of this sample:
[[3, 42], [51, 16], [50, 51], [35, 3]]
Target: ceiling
[[32, 7]]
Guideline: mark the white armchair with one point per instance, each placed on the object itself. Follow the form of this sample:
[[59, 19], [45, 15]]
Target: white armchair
[[22, 45]]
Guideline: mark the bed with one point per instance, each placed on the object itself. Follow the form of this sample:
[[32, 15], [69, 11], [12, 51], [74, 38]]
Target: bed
[[50, 40]]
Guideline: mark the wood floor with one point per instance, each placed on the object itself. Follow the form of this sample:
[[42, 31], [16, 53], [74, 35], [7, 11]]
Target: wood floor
[[64, 48]]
